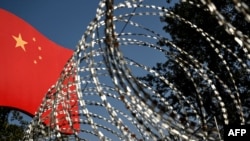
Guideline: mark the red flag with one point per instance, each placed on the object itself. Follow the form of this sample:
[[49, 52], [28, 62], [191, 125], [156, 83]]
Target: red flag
[[30, 65], [60, 108]]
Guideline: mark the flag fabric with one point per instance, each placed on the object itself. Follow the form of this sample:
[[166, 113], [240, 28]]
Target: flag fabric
[[30, 64], [59, 109]]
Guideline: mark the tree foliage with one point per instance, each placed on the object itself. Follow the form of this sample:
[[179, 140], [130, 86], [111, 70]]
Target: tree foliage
[[204, 70], [12, 124]]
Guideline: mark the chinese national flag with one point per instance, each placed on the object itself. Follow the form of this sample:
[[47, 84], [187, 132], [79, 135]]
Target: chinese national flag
[[30, 64], [65, 107]]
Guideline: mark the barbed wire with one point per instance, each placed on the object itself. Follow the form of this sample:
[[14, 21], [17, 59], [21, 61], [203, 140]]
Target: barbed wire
[[99, 97]]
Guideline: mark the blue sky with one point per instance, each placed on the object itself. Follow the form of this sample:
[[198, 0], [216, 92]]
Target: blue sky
[[64, 22], [61, 21]]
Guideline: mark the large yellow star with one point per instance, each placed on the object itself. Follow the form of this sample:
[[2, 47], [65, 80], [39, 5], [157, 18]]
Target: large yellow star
[[20, 42]]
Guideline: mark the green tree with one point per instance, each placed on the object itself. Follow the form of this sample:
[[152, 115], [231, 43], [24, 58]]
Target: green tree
[[12, 124], [204, 63]]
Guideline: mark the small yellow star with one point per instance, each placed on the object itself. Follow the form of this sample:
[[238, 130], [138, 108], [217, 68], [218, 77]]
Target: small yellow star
[[20, 42], [39, 48]]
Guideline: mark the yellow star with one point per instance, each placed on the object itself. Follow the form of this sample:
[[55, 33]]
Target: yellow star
[[19, 41]]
